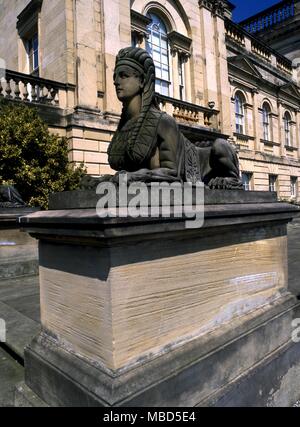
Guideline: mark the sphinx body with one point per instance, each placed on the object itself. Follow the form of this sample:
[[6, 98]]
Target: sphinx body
[[10, 197], [148, 145], [163, 153]]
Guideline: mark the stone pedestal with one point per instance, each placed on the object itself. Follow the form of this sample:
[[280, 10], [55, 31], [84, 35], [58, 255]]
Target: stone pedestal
[[144, 312], [18, 251]]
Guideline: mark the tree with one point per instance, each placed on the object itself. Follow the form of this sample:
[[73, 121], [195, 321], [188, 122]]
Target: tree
[[33, 160]]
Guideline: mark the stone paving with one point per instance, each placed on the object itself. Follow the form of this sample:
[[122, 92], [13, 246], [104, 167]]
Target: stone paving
[[11, 373], [19, 306], [294, 256]]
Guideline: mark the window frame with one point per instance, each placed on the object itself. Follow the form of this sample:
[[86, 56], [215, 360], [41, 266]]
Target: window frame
[[33, 53], [266, 122], [28, 29], [273, 185], [181, 77], [287, 119], [294, 186], [239, 110], [247, 185], [160, 66]]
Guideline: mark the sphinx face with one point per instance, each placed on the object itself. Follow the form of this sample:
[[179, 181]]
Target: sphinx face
[[127, 83]]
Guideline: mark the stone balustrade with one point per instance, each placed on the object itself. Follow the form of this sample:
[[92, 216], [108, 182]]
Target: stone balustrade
[[284, 65], [270, 17], [260, 50], [234, 33], [188, 113], [30, 89], [239, 36]]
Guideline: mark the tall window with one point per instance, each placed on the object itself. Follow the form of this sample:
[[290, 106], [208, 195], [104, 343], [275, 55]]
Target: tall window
[[294, 186], [287, 129], [266, 122], [134, 40], [157, 47], [273, 182], [239, 113], [181, 77], [247, 179], [33, 53]]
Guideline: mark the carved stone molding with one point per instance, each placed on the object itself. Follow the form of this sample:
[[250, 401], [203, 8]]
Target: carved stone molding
[[180, 45], [139, 24], [217, 7], [27, 19]]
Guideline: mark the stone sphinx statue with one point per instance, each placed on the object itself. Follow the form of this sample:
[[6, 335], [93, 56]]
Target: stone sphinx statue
[[10, 197], [148, 145]]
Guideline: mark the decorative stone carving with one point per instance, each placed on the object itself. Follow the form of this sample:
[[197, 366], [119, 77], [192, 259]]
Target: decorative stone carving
[[180, 45], [148, 145], [217, 7], [10, 197], [139, 24]]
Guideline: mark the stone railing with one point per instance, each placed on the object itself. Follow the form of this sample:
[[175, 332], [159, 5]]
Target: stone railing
[[252, 44], [284, 64], [260, 50], [234, 33], [188, 113], [23, 87], [269, 17]]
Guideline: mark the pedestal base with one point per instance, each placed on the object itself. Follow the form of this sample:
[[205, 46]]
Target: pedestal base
[[144, 312], [251, 362]]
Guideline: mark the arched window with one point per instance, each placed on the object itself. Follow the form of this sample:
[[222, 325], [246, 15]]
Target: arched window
[[287, 129], [266, 122], [157, 46], [239, 113]]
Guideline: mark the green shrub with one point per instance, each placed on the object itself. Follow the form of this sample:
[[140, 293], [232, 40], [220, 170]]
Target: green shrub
[[31, 158]]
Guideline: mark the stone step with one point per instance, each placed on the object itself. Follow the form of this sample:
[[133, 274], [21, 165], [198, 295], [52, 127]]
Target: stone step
[[21, 267], [20, 329], [11, 373], [18, 287]]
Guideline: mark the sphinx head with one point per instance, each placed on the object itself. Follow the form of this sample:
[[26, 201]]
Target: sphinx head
[[134, 74]]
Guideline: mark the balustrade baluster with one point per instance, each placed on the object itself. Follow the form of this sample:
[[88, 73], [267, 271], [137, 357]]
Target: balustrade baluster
[[54, 93], [42, 91], [17, 89], [8, 89], [34, 94], [25, 91]]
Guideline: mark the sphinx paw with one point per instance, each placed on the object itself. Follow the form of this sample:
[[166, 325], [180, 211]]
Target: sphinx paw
[[227, 183]]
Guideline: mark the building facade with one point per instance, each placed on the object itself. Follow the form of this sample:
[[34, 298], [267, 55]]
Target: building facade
[[215, 77]]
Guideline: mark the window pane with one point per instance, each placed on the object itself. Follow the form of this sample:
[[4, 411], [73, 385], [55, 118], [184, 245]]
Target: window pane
[[36, 60], [273, 182], [157, 47], [246, 178], [294, 186]]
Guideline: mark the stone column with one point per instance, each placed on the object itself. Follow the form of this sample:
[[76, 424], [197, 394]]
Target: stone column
[[187, 74], [175, 74], [210, 90], [86, 59], [117, 31], [223, 86]]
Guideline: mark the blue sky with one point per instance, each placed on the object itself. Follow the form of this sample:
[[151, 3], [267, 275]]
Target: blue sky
[[246, 8]]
